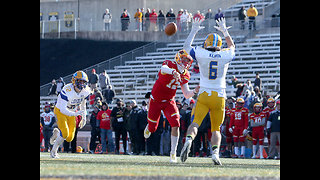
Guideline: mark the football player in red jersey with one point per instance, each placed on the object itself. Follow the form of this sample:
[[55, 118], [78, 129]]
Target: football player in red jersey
[[257, 122], [238, 127], [267, 110], [171, 75]]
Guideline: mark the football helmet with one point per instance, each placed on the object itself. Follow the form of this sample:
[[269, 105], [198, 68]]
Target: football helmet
[[212, 40], [183, 59], [239, 103], [257, 107], [80, 80]]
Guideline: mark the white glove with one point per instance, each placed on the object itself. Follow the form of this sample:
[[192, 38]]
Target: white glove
[[176, 75], [222, 27], [196, 24], [245, 132], [230, 130]]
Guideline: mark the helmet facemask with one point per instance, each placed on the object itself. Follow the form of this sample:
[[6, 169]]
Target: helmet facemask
[[184, 60]]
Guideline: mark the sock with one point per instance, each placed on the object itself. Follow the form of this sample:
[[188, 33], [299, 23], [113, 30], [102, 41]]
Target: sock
[[261, 150], [236, 151], [58, 142], [174, 144], [243, 148], [189, 137], [254, 150], [215, 149]]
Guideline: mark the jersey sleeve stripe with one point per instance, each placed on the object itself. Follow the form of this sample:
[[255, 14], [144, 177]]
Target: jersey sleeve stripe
[[193, 54], [64, 97]]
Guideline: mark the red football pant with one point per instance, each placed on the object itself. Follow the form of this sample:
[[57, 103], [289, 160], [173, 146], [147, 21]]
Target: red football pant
[[238, 134], [257, 134], [169, 109]]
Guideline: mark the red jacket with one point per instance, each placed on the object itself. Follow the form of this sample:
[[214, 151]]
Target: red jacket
[[105, 120]]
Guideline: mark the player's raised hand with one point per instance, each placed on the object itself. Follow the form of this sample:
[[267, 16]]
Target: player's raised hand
[[222, 26], [196, 24]]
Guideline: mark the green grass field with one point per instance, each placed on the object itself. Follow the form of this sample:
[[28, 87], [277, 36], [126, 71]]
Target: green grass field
[[94, 165]]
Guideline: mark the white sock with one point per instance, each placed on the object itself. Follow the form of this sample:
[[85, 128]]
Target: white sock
[[174, 144], [261, 150], [243, 148], [236, 151], [57, 143], [254, 150]]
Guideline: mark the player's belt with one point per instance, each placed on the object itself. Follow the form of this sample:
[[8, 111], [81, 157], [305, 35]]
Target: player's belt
[[159, 100]]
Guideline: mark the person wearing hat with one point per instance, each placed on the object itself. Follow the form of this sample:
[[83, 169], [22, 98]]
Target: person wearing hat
[[93, 79], [273, 127]]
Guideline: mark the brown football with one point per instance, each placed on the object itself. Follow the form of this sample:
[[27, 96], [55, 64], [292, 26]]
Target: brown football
[[171, 29]]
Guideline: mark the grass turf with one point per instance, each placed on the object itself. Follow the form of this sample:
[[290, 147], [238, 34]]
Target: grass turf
[[124, 165]]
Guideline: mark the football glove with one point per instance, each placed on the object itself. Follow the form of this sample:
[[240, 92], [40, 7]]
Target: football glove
[[222, 27], [196, 24]]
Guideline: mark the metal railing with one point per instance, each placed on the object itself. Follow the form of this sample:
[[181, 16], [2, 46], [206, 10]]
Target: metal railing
[[111, 63]]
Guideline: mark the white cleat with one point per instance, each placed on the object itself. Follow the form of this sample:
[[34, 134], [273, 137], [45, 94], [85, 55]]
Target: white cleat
[[146, 133], [173, 158], [54, 155], [215, 157], [185, 150], [54, 136]]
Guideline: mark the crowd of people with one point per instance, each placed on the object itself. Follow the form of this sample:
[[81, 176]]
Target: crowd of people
[[153, 20], [127, 121]]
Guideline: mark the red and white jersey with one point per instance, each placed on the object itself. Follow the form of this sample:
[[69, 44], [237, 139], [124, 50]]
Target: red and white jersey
[[239, 117], [257, 120], [267, 110], [166, 86], [47, 118]]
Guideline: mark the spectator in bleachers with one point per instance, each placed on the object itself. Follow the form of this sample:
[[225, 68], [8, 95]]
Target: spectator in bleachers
[[107, 17], [171, 17], [125, 20], [161, 20], [153, 16], [104, 82], [95, 128], [109, 95], [198, 15], [53, 88], [147, 20], [185, 18], [257, 81], [138, 20], [252, 13], [242, 14], [93, 79], [60, 85], [219, 14], [208, 20], [179, 19]]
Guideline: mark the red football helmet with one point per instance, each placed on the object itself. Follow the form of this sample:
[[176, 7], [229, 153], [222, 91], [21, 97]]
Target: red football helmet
[[183, 59]]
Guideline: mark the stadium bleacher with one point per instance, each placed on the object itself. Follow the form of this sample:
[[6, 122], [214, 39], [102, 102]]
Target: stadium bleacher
[[259, 54]]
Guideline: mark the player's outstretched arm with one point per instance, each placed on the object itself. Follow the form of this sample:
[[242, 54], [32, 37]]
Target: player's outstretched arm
[[195, 28], [222, 28]]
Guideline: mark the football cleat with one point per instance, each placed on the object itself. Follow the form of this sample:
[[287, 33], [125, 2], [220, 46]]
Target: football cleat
[[54, 155], [54, 136], [215, 157], [173, 158], [185, 150], [146, 133]]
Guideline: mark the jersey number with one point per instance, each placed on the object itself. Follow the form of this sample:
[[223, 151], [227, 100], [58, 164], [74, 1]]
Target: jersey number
[[213, 70], [173, 84]]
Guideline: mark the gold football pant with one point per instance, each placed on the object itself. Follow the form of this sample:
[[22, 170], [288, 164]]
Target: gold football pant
[[212, 103], [66, 124]]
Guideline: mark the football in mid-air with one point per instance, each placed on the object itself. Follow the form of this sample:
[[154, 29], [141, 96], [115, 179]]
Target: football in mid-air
[[170, 29]]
